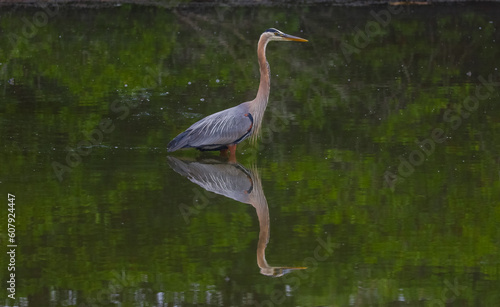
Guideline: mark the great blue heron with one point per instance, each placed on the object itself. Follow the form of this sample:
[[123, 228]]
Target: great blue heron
[[235, 181], [225, 129]]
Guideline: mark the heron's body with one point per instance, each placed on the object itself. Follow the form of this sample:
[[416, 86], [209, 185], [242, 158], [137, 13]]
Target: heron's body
[[225, 129], [217, 131]]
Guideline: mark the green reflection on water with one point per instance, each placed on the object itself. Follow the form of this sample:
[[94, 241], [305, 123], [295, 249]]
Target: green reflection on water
[[129, 79]]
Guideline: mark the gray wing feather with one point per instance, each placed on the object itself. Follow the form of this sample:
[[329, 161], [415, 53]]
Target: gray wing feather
[[224, 127]]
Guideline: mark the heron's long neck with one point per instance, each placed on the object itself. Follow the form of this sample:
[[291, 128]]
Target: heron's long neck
[[259, 104], [265, 78]]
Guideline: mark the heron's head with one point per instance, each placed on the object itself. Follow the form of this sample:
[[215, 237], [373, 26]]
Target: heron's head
[[276, 35]]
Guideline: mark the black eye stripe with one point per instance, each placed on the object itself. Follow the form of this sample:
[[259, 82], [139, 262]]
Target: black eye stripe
[[273, 30], [276, 32]]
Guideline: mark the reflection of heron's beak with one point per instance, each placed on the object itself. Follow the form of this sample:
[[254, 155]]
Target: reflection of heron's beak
[[293, 38], [279, 271]]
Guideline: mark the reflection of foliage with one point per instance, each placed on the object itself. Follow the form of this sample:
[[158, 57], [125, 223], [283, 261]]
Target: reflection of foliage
[[323, 172]]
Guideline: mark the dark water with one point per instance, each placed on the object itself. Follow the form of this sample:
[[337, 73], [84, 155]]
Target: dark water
[[375, 183]]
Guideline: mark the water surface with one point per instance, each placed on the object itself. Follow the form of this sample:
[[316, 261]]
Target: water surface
[[375, 182]]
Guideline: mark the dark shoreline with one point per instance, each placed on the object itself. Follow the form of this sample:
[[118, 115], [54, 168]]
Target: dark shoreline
[[233, 3]]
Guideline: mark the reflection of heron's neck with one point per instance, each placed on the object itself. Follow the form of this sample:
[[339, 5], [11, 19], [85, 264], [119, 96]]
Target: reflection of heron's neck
[[259, 104], [263, 216]]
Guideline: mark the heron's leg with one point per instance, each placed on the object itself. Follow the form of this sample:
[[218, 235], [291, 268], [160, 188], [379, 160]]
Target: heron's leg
[[232, 155], [223, 152]]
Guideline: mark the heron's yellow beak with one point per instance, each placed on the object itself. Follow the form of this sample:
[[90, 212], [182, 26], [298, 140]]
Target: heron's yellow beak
[[293, 38]]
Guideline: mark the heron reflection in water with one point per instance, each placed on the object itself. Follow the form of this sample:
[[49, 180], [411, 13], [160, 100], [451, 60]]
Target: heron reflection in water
[[234, 181], [225, 129]]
